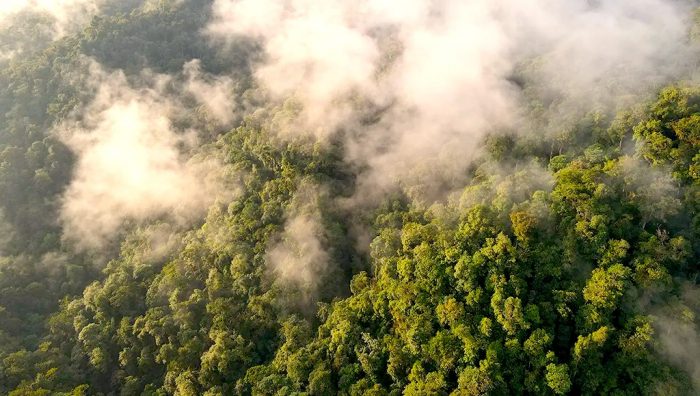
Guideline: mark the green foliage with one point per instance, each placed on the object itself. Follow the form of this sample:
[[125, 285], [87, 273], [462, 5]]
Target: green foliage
[[529, 283], [558, 378]]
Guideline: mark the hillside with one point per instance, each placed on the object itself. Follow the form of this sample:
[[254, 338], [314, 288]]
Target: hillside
[[299, 197]]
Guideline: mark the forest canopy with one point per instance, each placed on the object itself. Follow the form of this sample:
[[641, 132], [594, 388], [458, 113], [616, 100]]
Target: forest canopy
[[366, 197]]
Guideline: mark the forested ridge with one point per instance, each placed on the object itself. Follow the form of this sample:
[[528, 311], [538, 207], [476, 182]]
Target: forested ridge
[[173, 226]]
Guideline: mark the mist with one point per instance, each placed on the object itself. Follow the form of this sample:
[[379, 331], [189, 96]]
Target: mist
[[215, 93], [64, 15], [132, 164], [349, 196], [435, 77], [298, 256], [677, 332]]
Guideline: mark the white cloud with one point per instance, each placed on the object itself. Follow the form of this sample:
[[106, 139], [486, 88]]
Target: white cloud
[[130, 164], [440, 69], [65, 12], [215, 93]]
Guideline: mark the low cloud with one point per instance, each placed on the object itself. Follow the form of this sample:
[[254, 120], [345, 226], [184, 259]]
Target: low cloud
[[678, 335], [30, 25], [416, 85], [64, 14], [298, 257], [653, 189], [132, 164], [215, 93]]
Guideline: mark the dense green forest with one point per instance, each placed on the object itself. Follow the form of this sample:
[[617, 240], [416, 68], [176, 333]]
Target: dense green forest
[[561, 257]]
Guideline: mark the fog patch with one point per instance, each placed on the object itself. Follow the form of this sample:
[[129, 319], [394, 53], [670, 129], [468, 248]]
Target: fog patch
[[652, 188], [63, 14], [414, 87], [132, 164], [677, 333], [298, 258], [215, 93]]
